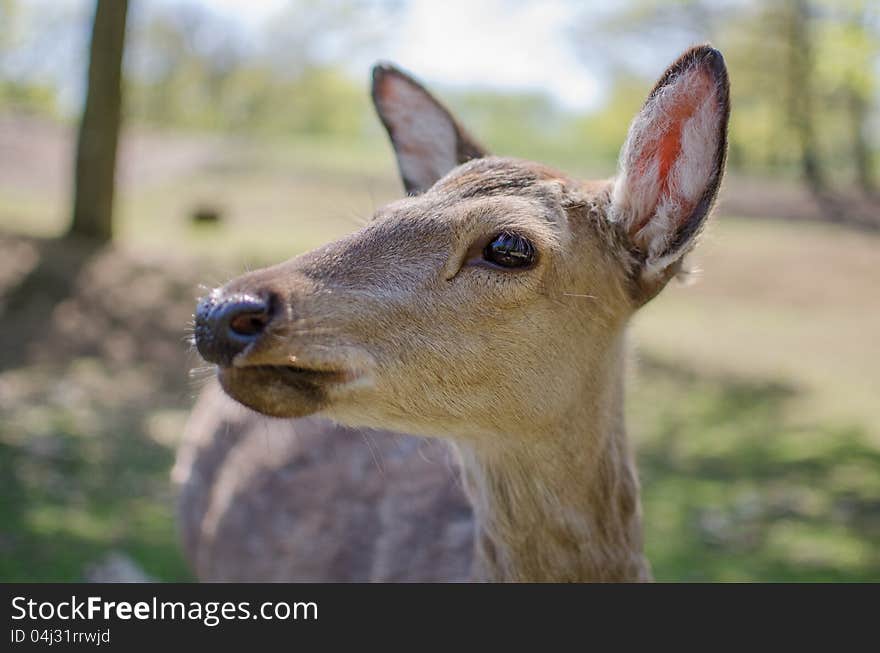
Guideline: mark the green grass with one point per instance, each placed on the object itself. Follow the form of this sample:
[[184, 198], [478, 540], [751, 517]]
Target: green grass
[[78, 483], [733, 490]]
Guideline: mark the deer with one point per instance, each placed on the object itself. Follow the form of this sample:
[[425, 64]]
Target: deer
[[485, 314]]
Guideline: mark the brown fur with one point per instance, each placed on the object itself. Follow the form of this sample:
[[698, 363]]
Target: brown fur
[[403, 326]]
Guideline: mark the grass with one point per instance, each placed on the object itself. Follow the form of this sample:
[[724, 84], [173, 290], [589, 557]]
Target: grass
[[81, 479], [94, 393], [734, 490], [753, 407], [781, 300]]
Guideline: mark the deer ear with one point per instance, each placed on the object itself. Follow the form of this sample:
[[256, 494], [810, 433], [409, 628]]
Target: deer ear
[[427, 140], [672, 163]]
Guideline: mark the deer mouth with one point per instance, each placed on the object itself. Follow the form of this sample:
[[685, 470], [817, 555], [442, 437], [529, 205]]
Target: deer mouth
[[295, 375], [280, 390]]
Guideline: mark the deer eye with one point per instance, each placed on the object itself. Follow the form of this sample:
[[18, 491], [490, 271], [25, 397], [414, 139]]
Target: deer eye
[[509, 250]]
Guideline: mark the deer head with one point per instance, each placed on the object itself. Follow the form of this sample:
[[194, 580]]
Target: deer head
[[493, 295]]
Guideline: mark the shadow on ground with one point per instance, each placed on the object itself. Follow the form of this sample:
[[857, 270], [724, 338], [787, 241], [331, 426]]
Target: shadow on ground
[[94, 392], [735, 489]]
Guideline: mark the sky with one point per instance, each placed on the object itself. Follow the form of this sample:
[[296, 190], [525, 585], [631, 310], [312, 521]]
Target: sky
[[490, 43]]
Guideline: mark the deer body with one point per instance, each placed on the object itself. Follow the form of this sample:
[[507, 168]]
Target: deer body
[[488, 309], [309, 500]]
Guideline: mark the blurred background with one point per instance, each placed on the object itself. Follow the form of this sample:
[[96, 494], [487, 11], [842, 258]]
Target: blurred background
[[241, 134]]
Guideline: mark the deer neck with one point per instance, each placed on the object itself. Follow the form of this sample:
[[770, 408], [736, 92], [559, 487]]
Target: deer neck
[[561, 503]]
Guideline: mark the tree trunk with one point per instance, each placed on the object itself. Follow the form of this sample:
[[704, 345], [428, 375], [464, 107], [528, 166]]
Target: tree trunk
[[800, 78], [859, 115], [99, 129]]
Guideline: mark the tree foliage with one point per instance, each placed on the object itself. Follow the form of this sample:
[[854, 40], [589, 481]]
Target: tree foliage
[[194, 69], [804, 76]]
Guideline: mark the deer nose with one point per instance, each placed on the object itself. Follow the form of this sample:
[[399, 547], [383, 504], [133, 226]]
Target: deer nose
[[225, 325]]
